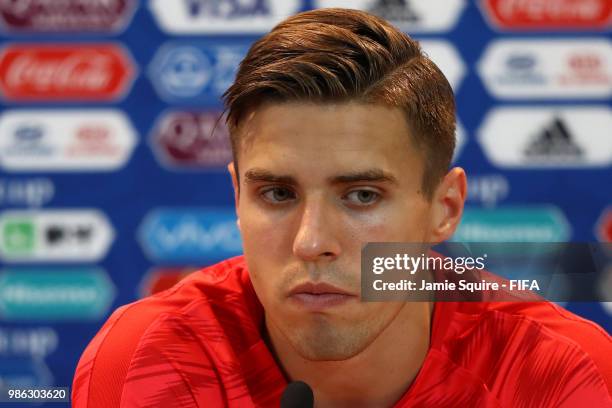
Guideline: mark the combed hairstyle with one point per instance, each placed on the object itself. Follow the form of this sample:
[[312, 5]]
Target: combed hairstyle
[[340, 55]]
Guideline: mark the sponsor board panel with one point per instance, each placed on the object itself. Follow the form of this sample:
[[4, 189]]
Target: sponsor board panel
[[548, 68], [192, 140], [42, 16], [53, 72], [75, 235], [190, 235], [198, 71], [198, 17], [411, 16], [65, 140], [513, 224], [54, 294], [548, 137], [540, 15]]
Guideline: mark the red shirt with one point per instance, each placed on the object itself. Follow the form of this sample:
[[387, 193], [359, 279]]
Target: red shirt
[[199, 344]]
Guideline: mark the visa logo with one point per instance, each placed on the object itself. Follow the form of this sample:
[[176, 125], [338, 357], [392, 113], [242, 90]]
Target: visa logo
[[227, 8], [197, 17]]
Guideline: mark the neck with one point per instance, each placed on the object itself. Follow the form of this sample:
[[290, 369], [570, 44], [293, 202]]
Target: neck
[[378, 376]]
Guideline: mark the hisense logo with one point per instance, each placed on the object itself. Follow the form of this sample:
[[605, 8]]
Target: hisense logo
[[55, 294]]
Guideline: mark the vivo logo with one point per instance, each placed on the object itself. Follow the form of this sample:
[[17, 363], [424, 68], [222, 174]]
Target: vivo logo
[[193, 235]]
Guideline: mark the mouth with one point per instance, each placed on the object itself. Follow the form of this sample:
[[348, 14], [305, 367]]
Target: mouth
[[319, 296]]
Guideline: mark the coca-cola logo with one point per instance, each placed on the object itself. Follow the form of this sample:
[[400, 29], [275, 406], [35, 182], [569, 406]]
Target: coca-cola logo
[[548, 14], [65, 15], [65, 72]]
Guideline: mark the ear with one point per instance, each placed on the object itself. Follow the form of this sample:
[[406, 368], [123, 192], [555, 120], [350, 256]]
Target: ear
[[448, 202], [231, 168]]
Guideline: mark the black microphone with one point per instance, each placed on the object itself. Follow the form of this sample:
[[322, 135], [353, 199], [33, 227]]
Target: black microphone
[[298, 394]]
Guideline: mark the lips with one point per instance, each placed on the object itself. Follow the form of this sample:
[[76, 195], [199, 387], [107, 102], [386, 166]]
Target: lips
[[319, 296], [319, 288]]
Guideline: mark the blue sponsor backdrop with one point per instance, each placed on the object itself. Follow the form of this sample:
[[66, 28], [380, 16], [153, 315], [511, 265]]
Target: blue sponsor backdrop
[[182, 215]]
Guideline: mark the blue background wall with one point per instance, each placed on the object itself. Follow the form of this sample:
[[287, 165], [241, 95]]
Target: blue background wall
[[169, 204]]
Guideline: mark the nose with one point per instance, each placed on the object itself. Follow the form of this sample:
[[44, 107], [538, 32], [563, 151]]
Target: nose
[[315, 239]]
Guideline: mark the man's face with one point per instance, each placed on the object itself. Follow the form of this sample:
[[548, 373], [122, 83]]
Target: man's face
[[317, 182]]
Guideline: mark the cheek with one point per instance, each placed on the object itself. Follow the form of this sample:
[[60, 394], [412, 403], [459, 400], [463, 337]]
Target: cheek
[[266, 248], [395, 222], [261, 230], [263, 236]]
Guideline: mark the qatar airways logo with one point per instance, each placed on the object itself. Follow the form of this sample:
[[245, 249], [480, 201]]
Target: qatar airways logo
[[65, 15], [194, 140], [92, 72]]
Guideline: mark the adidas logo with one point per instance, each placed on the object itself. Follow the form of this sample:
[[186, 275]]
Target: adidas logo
[[554, 142], [395, 10]]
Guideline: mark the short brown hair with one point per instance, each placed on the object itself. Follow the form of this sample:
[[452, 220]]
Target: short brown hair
[[341, 55]]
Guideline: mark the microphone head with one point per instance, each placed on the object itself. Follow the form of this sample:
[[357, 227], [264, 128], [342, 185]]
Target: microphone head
[[298, 394]]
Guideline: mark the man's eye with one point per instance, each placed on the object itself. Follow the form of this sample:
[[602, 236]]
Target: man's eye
[[278, 194], [362, 197]]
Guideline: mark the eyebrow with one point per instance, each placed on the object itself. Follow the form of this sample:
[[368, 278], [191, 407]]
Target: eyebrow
[[371, 175]]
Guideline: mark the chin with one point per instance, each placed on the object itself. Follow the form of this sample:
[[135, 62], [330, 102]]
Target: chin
[[317, 343]]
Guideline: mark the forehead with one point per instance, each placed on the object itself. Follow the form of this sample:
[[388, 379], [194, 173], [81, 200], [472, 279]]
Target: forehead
[[342, 131]]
